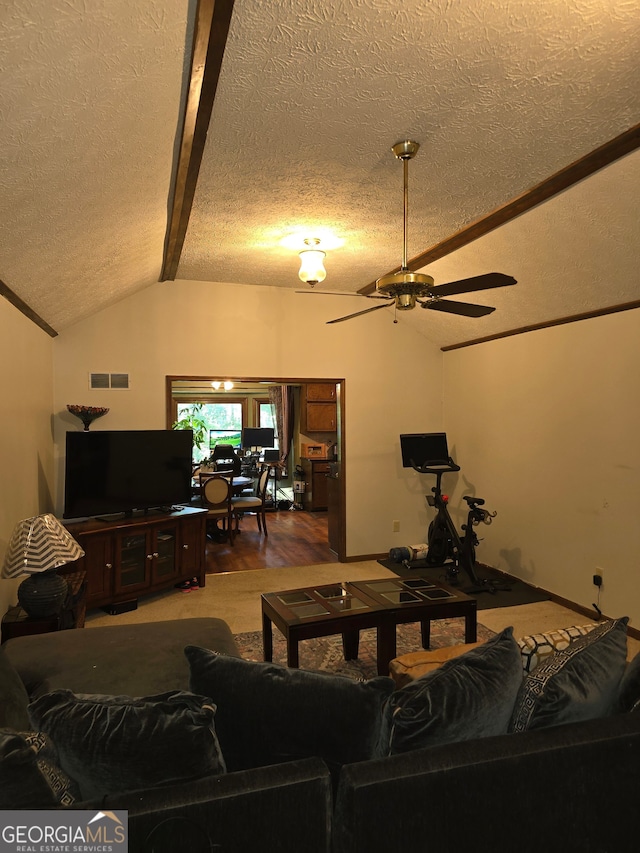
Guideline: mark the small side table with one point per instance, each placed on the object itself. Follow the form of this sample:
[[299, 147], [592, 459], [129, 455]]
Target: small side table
[[17, 623]]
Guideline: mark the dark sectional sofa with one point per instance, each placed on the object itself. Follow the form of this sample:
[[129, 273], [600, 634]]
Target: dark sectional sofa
[[559, 788]]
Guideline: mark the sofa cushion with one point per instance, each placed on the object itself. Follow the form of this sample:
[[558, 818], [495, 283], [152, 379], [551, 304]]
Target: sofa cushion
[[143, 659], [268, 713], [110, 744], [13, 697], [577, 683], [30, 776], [537, 647], [469, 696]]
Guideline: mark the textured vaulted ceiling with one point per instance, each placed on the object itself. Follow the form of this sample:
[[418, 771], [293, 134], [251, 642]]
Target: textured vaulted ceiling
[[311, 96]]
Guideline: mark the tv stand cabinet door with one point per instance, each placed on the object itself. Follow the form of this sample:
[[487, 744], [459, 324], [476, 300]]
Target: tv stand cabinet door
[[165, 563], [192, 548], [97, 563], [134, 555]]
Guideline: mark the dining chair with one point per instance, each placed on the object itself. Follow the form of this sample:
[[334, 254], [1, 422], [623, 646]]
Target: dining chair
[[255, 503], [216, 492]]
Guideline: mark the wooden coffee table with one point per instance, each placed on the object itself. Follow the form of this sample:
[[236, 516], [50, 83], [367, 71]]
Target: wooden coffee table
[[317, 611], [416, 600], [349, 607]]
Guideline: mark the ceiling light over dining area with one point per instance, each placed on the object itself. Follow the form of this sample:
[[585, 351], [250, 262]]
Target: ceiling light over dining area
[[217, 384]]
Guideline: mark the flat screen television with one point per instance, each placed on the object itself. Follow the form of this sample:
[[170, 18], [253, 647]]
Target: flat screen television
[[257, 437], [115, 471], [424, 448]]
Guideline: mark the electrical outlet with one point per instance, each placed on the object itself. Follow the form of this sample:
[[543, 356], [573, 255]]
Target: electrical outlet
[[395, 526], [598, 576]]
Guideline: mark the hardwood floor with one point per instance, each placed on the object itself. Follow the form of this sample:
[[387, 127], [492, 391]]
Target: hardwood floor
[[295, 539]]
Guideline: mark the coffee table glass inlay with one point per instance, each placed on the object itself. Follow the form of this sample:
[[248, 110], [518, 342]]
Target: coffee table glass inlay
[[351, 606]]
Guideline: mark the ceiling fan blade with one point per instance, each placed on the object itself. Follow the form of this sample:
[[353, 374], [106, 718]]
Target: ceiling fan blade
[[464, 309], [345, 293], [329, 292], [358, 313], [476, 282]]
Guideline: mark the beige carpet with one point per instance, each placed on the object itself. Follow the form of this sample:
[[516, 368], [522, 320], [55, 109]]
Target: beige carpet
[[235, 597]]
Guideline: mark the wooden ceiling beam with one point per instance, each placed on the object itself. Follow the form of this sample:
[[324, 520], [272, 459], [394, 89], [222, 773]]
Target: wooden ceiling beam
[[577, 171], [213, 19], [28, 312]]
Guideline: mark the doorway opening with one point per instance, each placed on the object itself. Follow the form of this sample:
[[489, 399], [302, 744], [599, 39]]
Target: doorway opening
[[308, 430]]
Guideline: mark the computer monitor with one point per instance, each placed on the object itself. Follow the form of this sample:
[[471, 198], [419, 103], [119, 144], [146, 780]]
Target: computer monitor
[[257, 437], [272, 455], [424, 448]]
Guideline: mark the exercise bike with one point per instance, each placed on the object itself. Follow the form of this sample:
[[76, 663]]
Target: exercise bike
[[445, 547]]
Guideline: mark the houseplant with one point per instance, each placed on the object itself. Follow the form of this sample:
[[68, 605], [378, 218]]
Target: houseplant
[[190, 418]]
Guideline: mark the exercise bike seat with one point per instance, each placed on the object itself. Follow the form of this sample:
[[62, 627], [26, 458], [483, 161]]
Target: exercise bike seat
[[471, 501]]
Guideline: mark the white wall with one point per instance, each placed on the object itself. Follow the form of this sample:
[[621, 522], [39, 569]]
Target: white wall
[[26, 437], [393, 379], [546, 427]]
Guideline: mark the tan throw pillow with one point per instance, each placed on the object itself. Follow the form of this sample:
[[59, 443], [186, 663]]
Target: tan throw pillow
[[407, 668]]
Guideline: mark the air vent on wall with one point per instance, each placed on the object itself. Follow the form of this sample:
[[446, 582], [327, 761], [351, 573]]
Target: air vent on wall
[[104, 381]]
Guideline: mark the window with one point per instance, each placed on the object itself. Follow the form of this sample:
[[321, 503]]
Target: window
[[221, 423], [265, 417]]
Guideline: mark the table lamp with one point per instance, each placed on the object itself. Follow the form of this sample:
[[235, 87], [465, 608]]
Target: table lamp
[[38, 547]]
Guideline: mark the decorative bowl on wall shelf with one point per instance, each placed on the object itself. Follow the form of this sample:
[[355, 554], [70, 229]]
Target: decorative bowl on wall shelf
[[87, 414]]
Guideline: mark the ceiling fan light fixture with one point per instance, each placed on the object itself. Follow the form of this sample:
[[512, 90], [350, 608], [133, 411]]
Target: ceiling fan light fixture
[[312, 269], [398, 283]]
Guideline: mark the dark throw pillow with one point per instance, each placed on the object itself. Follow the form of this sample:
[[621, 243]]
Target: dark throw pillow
[[577, 683], [628, 698], [268, 713], [30, 777], [15, 699], [468, 697], [111, 744]]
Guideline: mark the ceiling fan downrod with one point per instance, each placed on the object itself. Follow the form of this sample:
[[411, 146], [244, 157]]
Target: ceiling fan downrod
[[405, 151], [405, 286]]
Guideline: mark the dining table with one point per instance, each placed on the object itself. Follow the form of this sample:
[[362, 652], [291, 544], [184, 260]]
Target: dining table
[[238, 485]]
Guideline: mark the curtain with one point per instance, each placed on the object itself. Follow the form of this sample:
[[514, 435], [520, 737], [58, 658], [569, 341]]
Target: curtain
[[281, 399]]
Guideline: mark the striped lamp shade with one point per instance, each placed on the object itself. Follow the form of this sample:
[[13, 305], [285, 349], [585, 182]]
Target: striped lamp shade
[[37, 545]]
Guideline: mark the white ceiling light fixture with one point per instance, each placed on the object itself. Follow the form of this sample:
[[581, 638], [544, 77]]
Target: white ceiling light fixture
[[312, 269], [227, 385]]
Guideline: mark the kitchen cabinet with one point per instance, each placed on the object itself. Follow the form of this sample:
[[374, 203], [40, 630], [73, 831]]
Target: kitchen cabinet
[[316, 497], [319, 411]]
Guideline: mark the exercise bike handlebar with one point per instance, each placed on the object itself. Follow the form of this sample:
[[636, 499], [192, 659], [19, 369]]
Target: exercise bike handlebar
[[441, 469]]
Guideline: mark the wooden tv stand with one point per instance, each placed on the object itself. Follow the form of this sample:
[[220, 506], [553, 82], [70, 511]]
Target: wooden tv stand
[[128, 557]]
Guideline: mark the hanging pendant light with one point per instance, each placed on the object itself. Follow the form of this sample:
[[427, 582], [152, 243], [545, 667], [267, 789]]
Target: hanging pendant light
[[312, 269]]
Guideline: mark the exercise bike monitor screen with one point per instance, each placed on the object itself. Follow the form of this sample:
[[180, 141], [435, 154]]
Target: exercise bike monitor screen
[[424, 448]]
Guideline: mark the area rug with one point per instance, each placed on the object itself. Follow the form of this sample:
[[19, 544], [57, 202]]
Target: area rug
[[505, 592], [324, 654]]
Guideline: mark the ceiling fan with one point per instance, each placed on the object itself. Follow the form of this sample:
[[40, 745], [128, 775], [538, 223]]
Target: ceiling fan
[[404, 289]]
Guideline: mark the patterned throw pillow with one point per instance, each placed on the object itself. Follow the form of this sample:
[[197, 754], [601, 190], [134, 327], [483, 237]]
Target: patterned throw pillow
[[577, 683], [112, 744], [536, 647], [30, 777]]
